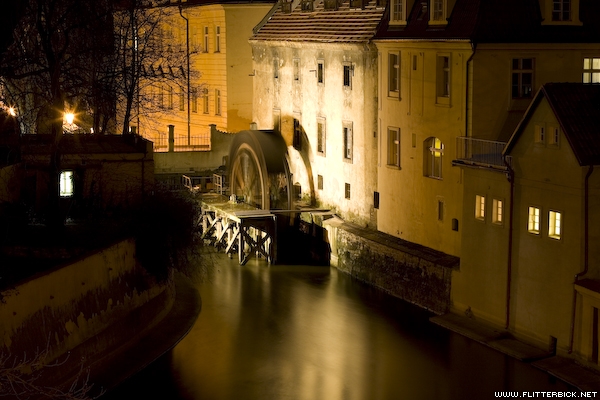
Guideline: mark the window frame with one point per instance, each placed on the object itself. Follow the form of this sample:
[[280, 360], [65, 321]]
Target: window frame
[[394, 74], [205, 101], [66, 183], [534, 220], [297, 133], [443, 83], [518, 73], [558, 10], [498, 211], [321, 72], [393, 147], [348, 141], [218, 102], [347, 191], [205, 39], [194, 100], [321, 136], [348, 72], [480, 207], [434, 158], [438, 14], [217, 39], [591, 70], [398, 12], [555, 224]]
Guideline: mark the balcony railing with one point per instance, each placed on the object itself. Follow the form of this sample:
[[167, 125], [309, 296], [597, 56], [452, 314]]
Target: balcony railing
[[183, 143], [479, 152]]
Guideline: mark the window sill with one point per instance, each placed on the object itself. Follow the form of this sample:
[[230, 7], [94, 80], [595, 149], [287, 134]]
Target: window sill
[[348, 160], [443, 101]]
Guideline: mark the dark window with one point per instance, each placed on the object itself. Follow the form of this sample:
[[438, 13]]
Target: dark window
[[320, 182], [348, 76], [561, 10], [320, 72], [522, 77], [297, 140], [347, 191]]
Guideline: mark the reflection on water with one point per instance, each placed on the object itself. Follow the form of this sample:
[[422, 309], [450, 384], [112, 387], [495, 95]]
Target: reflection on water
[[290, 332]]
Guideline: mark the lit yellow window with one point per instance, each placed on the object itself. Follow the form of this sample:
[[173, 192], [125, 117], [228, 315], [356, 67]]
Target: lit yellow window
[[554, 224], [66, 184], [479, 207], [533, 223], [497, 211]]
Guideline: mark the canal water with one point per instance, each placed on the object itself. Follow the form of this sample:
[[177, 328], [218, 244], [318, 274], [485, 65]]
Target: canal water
[[302, 332]]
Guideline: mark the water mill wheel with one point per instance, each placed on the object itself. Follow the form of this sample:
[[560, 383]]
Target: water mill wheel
[[259, 172]]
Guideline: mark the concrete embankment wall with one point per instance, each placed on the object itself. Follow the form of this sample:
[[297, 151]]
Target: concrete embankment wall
[[413, 273], [101, 300]]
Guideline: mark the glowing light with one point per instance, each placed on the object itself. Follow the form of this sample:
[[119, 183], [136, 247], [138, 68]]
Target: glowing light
[[12, 111], [69, 117]]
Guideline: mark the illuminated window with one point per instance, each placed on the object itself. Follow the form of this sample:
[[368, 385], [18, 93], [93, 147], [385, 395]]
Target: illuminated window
[[433, 154], [347, 191], [533, 220], [217, 39], [205, 49], [348, 76], [217, 102], [321, 71], [66, 184], [561, 10], [591, 70], [554, 224], [321, 136], [393, 147], [347, 133], [522, 78], [497, 211], [394, 74], [443, 79], [438, 11], [397, 13], [480, 207], [540, 134]]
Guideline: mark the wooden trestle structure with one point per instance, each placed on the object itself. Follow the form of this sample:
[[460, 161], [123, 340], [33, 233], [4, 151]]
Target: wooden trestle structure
[[238, 227]]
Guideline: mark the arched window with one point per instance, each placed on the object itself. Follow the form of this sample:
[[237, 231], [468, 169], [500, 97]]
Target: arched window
[[433, 152]]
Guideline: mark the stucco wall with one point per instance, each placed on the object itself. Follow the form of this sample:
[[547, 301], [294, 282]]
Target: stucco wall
[[64, 308], [404, 274]]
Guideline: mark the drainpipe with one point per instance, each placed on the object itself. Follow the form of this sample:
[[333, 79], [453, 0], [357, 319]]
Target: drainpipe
[[187, 54], [585, 253], [467, 97], [511, 178]]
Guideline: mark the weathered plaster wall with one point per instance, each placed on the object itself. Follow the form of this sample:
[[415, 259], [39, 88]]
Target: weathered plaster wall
[[410, 276], [74, 303]]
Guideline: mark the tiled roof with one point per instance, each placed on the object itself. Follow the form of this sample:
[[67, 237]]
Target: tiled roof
[[350, 25], [496, 21], [577, 107]]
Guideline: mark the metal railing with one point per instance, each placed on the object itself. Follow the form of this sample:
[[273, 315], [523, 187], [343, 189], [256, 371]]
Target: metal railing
[[183, 143], [480, 152]]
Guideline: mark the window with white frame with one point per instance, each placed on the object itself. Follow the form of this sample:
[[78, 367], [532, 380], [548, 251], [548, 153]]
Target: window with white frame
[[480, 207], [205, 43], [321, 136], [438, 12], [348, 145], [321, 71], [540, 134], [398, 12], [497, 211], [217, 102], [591, 70], [533, 220], [561, 10], [66, 183], [217, 39], [443, 79], [554, 224], [433, 154], [553, 135], [522, 77], [394, 74], [393, 141]]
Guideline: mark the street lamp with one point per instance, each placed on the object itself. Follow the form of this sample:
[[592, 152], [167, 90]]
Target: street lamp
[[69, 118]]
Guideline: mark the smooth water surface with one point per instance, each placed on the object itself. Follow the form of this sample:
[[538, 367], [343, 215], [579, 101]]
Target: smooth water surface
[[300, 332]]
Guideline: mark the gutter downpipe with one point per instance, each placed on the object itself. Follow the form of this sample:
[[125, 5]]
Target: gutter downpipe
[[585, 254], [468, 87], [511, 178], [187, 54]]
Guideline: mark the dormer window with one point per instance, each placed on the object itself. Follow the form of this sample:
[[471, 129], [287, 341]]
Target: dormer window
[[438, 13], [398, 12], [307, 5], [330, 4], [561, 10]]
